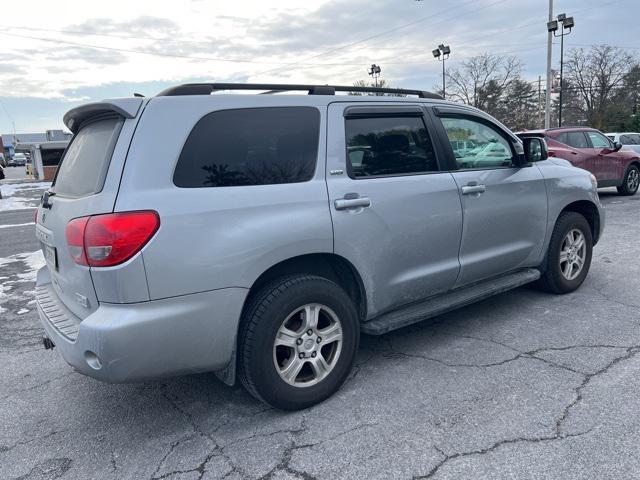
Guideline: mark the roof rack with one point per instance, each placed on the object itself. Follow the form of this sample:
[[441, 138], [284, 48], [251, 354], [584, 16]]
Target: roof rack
[[208, 88]]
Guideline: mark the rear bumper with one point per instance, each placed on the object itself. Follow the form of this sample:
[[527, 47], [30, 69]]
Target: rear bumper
[[140, 341]]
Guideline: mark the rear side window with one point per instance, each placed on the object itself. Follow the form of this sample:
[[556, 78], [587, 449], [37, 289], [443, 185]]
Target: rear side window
[[84, 165], [574, 139], [388, 146], [255, 146]]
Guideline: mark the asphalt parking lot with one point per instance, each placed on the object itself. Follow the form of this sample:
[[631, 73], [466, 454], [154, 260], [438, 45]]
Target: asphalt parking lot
[[522, 385]]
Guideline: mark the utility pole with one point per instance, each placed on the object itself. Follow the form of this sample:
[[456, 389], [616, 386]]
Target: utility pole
[[547, 109], [539, 122]]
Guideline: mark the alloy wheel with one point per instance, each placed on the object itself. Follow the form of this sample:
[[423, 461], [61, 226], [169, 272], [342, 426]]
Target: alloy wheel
[[573, 253], [633, 180], [307, 345]]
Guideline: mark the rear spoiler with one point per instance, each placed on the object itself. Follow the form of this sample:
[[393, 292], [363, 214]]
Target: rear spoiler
[[522, 135], [127, 107]]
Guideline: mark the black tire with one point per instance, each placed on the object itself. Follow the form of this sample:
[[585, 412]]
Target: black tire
[[630, 187], [264, 314], [552, 279]]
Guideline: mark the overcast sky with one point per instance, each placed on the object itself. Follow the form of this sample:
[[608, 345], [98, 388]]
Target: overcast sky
[[56, 55]]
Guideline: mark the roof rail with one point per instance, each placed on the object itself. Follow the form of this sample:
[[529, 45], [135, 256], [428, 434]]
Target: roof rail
[[208, 88]]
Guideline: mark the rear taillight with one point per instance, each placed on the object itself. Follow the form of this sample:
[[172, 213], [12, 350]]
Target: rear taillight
[[111, 239], [75, 239]]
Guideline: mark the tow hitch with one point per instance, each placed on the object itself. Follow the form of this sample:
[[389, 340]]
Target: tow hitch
[[47, 343]]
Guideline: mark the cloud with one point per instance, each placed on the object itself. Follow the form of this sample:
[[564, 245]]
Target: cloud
[[142, 25]]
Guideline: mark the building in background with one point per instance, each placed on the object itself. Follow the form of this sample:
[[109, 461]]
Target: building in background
[[44, 150]]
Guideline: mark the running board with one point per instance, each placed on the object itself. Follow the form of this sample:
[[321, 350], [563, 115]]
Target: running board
[[434, 306]]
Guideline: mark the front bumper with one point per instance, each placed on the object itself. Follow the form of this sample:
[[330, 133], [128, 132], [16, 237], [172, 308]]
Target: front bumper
[[139, 341]]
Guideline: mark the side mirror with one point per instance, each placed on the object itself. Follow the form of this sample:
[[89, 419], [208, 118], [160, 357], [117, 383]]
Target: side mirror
[[535, 149], [616, 146]]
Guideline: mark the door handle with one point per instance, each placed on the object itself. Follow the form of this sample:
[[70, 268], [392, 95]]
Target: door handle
[[351, 202], [475, 188]]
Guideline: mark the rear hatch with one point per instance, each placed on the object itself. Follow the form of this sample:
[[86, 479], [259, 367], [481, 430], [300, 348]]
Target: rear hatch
[[86, 184]]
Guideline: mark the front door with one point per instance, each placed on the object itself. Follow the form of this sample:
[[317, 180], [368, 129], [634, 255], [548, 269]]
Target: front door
[[396, 215], [504, 206]]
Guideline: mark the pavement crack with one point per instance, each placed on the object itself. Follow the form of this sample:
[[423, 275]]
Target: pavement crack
[[629, 353], [447, 458]]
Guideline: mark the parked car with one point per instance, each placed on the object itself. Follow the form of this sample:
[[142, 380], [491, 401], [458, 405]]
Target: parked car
[[629, 140], [257, 235], [591, 150], [18, 160], [3, 162]]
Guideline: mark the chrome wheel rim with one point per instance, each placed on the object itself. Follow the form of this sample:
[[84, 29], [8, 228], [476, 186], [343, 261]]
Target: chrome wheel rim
[[307, 345], [573, 253], [633, 179]]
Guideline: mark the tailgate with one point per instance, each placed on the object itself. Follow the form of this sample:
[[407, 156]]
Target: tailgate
[[86, 184]]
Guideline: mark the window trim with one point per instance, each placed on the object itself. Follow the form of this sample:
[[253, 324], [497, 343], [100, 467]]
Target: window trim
[[465, 114], [418, 113], [318, 162]]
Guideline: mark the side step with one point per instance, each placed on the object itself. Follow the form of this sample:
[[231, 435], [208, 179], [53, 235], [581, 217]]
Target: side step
[[434, 306]]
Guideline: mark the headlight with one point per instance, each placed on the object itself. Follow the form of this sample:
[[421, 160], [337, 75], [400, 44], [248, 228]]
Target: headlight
[[594, 182]]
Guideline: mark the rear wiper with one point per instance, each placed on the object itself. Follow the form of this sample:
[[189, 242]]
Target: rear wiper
[[45, 199]]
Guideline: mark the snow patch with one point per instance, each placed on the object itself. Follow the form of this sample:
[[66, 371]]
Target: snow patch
[[10, 202], [17, 225]]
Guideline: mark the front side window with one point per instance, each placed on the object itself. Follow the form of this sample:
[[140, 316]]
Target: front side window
[[388, 146], [477, 145], [254, 146], [598, 140]]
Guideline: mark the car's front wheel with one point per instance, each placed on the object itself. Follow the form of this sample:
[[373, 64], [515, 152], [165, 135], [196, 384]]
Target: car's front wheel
[[569, 254], [631, 181], [298, 340]]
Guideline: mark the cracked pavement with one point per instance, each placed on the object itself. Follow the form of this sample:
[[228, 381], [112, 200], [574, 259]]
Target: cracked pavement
[[522, 385]]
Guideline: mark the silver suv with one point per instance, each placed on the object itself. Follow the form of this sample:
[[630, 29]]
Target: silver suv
[[256, 236]]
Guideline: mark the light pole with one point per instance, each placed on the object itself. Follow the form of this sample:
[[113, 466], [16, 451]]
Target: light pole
[[442, 53], [552, 26], [374, 71]]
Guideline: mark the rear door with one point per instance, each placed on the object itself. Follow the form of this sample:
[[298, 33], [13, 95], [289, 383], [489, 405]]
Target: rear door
[[504, 205], [577, 149], [396, 214], [86, 184]]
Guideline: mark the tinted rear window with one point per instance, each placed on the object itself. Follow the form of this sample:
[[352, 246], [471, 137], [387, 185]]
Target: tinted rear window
[[84, 165], [256, 146]]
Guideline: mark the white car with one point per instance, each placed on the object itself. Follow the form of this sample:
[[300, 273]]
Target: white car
[[628, 140]]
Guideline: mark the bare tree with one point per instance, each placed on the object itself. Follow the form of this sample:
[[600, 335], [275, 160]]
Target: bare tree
[[597, 74], [482, 79]]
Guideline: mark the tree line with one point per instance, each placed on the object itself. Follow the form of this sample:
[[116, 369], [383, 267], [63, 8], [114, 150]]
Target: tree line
[[601, 86], [601, 89]]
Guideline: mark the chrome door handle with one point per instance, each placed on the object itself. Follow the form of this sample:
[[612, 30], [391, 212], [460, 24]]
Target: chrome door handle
[[346, 203], [469, 189]]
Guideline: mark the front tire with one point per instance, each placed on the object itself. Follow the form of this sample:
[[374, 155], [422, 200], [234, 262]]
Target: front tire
[[630, 182], [298, 340], [569, 254]]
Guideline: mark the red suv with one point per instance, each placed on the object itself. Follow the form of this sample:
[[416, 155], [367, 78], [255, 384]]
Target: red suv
[[591, 150]]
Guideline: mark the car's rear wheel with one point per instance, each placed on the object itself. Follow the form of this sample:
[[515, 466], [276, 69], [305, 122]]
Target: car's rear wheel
[[631, 181], [298, 340], [569, 254]]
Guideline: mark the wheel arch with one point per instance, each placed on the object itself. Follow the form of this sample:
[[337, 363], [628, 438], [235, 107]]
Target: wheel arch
[[589, 211], [328, 265]]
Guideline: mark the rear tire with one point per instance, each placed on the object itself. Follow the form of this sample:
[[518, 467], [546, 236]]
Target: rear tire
[[569, 254], [630, 182], [298, 340]]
